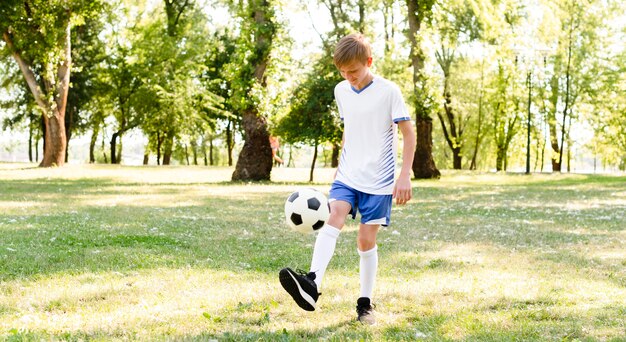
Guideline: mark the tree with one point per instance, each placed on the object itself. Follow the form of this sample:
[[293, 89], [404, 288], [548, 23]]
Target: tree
[[23, 107], [174, 10], [479, 125], [215, 78], [258, 31], [88, 53], [38, 35], [312, 117], [576, 42], [423, 164], [604, 95], [504, 115], [125, 81], [456, 24], [171, 98]]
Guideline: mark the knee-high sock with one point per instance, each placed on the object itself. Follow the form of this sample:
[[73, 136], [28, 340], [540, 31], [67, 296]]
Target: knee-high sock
[[323, 251], [368, 268]]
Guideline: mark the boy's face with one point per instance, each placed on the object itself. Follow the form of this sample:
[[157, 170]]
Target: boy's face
[[356, 72]]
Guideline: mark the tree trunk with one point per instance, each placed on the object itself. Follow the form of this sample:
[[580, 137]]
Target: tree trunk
[[92, 143], [313, 162], [57, 83], [457, 158], [334, 159], [168, 148], [453, 136], [55, 140], [473, 164], [229, 142], [174, 9], [423, 163], [212, 161], [255, 159], [37, 149], [194, 151], [159, 147], [290, 162], [104, 153], [361, 5], [114, 154], [69, 121], [566, 109], [500, 156], [30, 140]]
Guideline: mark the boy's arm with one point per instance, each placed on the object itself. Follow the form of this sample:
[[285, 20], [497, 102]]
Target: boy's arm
[[402, 190], [343, 140]]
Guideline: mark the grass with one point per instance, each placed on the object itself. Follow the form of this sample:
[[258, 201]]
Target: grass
[[149, 253]]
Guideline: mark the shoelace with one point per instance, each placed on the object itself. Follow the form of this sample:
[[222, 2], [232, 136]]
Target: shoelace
[[364, 309], [310, 275]]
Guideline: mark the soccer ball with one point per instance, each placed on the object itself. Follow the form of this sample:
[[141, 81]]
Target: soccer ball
[[306, 210]]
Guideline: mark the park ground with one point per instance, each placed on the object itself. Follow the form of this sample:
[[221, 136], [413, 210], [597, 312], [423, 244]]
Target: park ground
[[180, 253]]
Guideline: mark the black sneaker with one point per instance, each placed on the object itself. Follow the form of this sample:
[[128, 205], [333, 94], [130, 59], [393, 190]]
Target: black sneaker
[[365, 311], [301, 287]]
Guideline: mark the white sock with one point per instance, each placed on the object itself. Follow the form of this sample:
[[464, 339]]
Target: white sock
[[368, 268], [323, 251]]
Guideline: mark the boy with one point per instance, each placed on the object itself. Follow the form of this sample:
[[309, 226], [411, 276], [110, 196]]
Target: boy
[[369, 107]]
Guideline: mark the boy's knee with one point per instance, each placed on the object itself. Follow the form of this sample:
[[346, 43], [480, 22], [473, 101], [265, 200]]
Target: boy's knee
[[366, 239], [336, 220]]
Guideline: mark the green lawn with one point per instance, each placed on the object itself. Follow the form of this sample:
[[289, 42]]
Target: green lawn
[[149, 253]]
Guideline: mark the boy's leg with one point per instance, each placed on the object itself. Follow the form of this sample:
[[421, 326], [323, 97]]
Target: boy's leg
[[327, 239], [375, 210], [368, 252], [303, 288]]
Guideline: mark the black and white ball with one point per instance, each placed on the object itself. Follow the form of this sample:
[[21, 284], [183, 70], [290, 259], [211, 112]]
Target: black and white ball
[[306, 210]]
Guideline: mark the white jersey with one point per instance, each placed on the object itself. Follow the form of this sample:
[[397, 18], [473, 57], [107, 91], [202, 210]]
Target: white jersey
[[368, 158]]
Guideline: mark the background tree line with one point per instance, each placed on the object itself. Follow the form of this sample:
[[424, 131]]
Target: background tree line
[[491, 84]]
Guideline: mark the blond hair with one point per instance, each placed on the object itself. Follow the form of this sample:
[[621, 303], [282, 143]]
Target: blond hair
[[353, 47]]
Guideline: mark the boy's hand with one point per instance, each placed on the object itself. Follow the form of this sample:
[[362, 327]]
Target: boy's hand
[[402, 190]]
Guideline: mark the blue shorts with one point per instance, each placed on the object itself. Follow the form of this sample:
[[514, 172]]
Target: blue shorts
[[374, 209]]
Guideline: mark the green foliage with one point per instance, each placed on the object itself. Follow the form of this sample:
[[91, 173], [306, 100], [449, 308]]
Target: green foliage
[[171, 70], [221, 48], [22, 105], [246, 71], [608, 111], [313, 118], [162, 75], [37, 30], [457, 21], [88, 56], [505, 114]]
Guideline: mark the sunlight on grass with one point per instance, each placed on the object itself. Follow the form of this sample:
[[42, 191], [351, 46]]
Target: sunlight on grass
[[149, 253]]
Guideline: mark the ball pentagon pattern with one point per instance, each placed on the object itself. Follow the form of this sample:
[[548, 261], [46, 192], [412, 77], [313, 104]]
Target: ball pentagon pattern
[[306, 210]]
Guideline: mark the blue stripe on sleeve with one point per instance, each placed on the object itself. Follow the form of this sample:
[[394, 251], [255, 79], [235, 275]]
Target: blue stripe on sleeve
[[404, 118]]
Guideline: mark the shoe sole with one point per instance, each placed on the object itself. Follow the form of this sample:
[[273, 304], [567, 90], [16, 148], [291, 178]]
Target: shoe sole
[[291, 285], [366, 320]]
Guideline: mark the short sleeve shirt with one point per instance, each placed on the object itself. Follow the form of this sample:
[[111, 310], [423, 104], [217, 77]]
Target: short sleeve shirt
[[369, 115]]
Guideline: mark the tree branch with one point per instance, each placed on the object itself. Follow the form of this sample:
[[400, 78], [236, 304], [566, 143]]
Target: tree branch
[[28, 73], [180, 12], [63, 83]]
